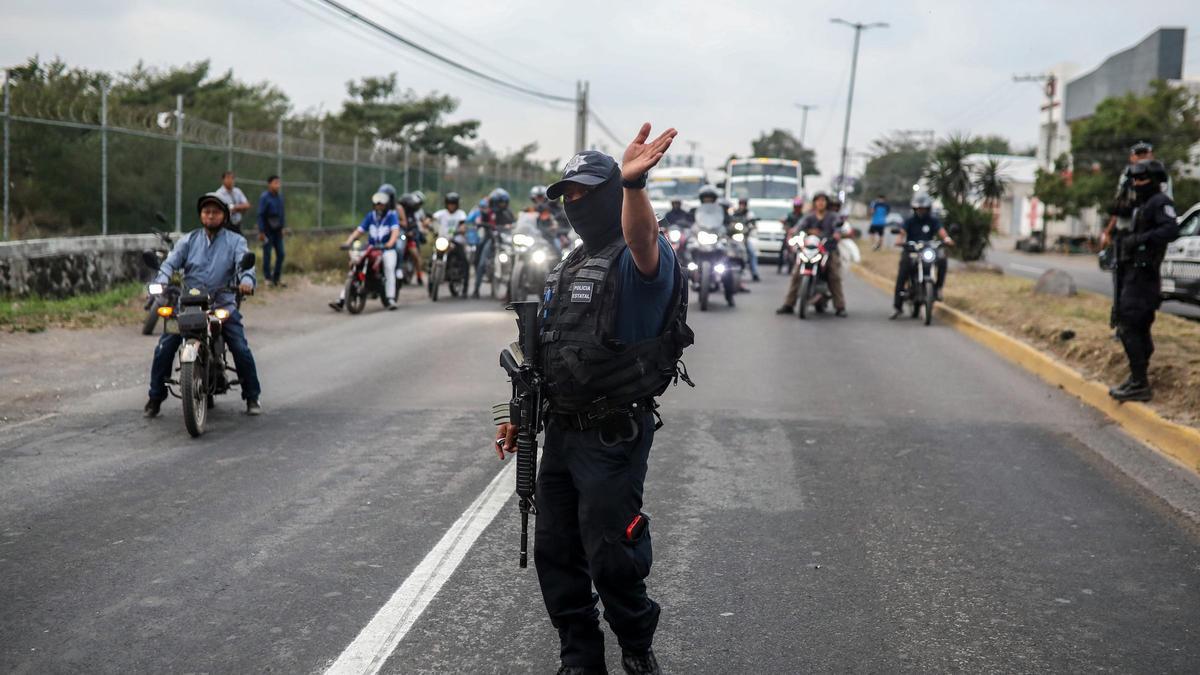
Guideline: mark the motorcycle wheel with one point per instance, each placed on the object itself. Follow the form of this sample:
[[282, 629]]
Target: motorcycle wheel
[[805, 291], [495, 281], [356, 296], [195, 399], [916, 302], [730, 283], [455, 280], [516, 284], [151, 320], [705, 285], [435, 279], [930, 296]]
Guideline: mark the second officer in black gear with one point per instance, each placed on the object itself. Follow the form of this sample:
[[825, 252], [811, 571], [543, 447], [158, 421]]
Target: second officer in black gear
[[921, 226], [613, 329], [1139, 254]]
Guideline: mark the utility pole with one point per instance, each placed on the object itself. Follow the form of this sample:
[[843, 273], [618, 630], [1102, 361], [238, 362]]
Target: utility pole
[[804, 108], [7, 114], [178, 163], [581, 115], [858, 29], [104, 158], [1050, 89]]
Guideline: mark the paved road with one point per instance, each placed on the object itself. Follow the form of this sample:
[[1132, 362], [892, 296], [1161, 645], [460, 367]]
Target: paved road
[[1082, 268], [837, 495]]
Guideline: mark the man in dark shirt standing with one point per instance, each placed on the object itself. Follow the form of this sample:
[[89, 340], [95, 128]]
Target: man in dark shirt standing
[[590, 529], [271, 224]]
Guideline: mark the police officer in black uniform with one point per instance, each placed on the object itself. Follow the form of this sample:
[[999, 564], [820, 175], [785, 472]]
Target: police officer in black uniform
[[612, 332], [1140, 251], [922, 225]]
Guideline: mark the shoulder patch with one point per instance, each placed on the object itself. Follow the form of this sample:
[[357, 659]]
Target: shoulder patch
[[1169, 209]]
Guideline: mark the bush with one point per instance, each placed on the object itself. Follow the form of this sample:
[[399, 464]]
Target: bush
[[971, 229]]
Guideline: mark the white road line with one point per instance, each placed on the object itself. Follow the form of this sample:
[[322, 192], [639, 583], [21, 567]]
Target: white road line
[[378, 639], [10, 427], [1026, 268]]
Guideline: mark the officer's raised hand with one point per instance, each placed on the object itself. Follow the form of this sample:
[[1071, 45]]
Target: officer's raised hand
[[641, 156]]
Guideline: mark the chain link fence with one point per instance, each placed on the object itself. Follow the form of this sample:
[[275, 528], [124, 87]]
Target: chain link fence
[[81, 166]]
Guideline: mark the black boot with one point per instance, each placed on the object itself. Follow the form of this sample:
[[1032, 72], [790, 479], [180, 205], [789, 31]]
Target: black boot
[[1120, 387], [337, 305], [786, 309], [153, 406], [581, 670], [642, 663], [1136, 391]]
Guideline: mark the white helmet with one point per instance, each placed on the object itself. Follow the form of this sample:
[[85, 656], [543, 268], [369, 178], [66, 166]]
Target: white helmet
[[380, 198], [537, 191], [922, 201]]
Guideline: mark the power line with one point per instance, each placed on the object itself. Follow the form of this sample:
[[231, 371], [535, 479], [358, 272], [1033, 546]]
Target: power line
[[605, 129], [438, 57]]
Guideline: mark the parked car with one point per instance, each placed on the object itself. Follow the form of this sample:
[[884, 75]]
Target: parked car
[[1181, 266]]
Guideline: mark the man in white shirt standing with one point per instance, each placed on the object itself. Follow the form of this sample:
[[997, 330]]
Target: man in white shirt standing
[[235, 198]]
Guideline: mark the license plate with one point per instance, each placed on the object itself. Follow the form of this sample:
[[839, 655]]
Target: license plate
[[1168, 285]]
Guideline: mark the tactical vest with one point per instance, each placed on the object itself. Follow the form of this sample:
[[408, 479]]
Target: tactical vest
[[587, 369]]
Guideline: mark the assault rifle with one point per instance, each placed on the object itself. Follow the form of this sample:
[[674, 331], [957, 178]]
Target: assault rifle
[[521, 363]]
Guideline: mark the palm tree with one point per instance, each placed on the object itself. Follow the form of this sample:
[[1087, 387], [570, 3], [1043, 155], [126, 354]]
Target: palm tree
[[949, 175], [991, 184]]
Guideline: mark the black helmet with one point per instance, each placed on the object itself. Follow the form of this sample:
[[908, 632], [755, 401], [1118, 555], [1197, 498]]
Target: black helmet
[[452, 198], [420, 197], [498, 196], [1149, 168], [709, 192], [1141, 147], [388, 189], [410, 201], [212, 198]]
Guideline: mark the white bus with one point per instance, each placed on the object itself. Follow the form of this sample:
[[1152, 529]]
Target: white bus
[[674, 182], [771, 185]]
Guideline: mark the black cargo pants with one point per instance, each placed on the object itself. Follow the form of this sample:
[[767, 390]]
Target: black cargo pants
[[588, 494], [1136, 306]]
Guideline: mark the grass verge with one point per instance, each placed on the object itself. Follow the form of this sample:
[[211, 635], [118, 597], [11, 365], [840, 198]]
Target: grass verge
[[1075, 330], [120, 304]]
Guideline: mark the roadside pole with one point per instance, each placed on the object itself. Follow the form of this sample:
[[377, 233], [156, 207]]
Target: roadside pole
[[104, 159], [354, 180], [581, 115], [7, 95], [421, 170], [179, 164], [279, 149], [320, 175], [406, 168], [229, 142]]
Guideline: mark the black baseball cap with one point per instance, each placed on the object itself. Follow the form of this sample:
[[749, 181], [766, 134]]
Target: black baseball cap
[[1141, 147], [589, 168]]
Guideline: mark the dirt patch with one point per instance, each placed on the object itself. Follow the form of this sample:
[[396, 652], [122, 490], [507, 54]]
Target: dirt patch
[[1075, 329]]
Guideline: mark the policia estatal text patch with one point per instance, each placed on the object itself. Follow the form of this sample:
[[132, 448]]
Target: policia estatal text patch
[[581, 291]]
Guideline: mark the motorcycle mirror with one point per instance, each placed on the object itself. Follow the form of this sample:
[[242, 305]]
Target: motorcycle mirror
[[248, 260], [150, 259], [158, 215]]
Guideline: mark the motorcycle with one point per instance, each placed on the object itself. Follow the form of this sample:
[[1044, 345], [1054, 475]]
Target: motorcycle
[[713, 258], [532, 255], [812, 256], [159, 253], [500, 267], [203, 355], [921, 289], [365, 277], [450, 256]]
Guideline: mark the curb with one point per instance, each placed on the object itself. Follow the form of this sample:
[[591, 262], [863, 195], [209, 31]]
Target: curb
[[1180, 443]]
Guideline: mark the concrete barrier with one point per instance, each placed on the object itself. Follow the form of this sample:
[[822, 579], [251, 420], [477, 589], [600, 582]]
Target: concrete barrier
[[69, 266]]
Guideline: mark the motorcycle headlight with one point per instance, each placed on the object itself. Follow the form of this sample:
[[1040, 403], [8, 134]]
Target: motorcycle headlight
[[928, 255], [739, 237], [692, 267], [738, 227], [539, 256], [221, 314], [503, 257], [441, 244], [674, 236], [719, 268], [522, 240], [707, 238], [155, 289]]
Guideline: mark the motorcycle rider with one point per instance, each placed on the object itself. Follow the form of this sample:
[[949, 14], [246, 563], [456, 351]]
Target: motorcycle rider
[[822, 222], [546, 222], [789, 230], [708, 194], [209, 257], [411, 204], [744, 215], [1141, 252], [382, 228], [921, 226], [499, 219], [451, 222], [677, 216]]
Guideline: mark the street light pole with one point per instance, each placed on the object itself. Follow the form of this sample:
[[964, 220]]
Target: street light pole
[[858, 29], [804, 107]]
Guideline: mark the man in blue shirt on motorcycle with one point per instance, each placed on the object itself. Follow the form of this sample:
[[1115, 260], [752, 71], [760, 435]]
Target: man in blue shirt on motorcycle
[[209, 258], [382, 227]]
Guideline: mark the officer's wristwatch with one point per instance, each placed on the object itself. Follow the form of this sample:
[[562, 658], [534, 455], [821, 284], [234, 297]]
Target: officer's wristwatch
[[636, 184]]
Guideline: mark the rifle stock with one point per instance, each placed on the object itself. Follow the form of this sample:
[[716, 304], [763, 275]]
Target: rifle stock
[[525, 410]]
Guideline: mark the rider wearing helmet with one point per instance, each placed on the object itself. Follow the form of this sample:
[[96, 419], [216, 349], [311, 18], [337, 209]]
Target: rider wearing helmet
[[452, 224], [921, 226], [410, 205], [209, 257], [677, 216], [382, 228], [708, 194], [790, 223], [501, 220], [822, 222], [743, 214]]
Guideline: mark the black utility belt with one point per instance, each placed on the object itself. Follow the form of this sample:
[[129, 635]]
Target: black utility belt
[[601, 417]]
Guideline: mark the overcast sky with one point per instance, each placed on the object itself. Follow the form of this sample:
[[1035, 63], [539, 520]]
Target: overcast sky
[[720, 72]]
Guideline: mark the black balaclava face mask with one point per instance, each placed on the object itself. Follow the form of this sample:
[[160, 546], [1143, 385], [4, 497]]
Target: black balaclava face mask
[[1147, 190], [597, 215]]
